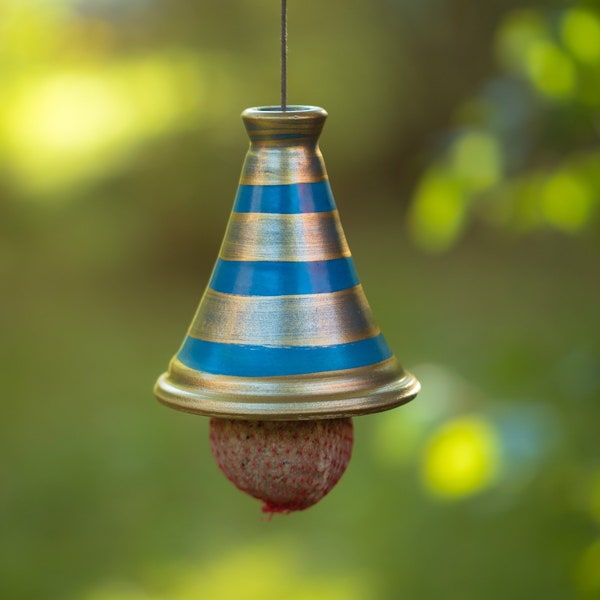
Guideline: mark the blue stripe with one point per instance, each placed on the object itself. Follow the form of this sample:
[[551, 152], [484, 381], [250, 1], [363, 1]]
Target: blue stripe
[[271, 278], [262, 361], [286, 199]]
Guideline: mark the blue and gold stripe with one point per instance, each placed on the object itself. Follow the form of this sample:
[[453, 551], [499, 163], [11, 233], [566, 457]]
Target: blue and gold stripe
[[284, 298], [276, 278], [285, 199], [287, 237], [264, 361], [303, 320], [284, 330]]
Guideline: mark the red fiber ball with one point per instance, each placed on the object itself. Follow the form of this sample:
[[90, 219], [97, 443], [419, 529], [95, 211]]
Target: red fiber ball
[[289, 465]]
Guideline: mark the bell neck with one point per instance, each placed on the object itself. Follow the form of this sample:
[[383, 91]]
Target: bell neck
[[283, 145]]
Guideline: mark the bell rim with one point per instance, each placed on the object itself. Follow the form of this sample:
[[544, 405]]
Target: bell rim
[[293, 112], [335, 394]]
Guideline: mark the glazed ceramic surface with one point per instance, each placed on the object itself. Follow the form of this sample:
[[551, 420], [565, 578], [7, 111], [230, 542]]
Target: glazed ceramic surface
[[284, 330]]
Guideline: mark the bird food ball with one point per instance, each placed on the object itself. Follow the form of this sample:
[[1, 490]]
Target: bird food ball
[[288, 465]]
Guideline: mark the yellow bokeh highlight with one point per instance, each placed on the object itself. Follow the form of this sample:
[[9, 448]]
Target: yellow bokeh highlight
[[252, 572], [61, 129], [566, 202], [551, 70], [517, 35], [461, 458], [476, 158], [66, 114], [28, 32], [438, 211], [580, 31], [587, 573], [264, 573]]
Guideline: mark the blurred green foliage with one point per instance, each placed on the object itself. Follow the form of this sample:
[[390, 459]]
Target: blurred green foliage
[[474, 124], [523, 152]]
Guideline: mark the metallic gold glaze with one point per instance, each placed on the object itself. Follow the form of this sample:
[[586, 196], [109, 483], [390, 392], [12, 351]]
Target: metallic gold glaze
[[274, 165], [268, 125], [284, 150], [304, 320], [298, 237], [335, 394], [283, 146]]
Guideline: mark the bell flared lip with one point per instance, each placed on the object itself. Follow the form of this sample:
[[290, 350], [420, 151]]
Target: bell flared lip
[[298, 125], [336, 394], [293, 111]]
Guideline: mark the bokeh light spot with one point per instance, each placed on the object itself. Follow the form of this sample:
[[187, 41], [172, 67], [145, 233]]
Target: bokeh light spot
[[400, 433], [461, 458], [566, 202], [519, 32], [28, 31], [581, 35], [262, 572], [254, 572], [65, 128], [68, 113], [438, 211], [477, 159], [551, 70]]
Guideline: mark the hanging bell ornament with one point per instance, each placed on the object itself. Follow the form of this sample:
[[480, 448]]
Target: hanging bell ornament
[[284, 332]]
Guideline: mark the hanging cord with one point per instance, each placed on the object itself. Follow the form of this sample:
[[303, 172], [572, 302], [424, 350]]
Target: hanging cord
[[284, 55]]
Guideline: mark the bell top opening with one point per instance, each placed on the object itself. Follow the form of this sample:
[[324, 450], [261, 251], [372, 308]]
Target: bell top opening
[[269, 125]]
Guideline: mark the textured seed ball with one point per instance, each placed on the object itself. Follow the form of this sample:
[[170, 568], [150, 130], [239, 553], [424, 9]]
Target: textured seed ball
[[289, 465]]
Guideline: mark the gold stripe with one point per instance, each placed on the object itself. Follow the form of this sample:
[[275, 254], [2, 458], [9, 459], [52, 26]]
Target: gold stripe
[[303, 320], [282, 162], [292, 238], [334, 394]]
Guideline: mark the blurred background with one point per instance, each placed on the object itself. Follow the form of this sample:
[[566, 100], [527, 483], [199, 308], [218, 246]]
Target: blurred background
[[463, 150]]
